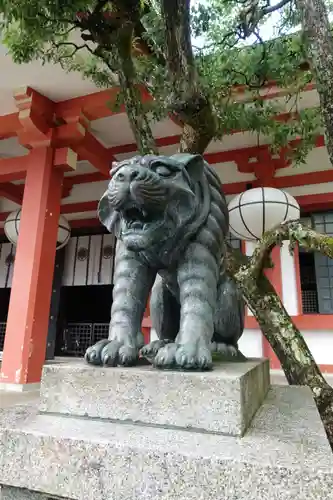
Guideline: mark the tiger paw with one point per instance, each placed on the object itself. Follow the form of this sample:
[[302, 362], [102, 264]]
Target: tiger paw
[[192, 356], [184, 357], [112, 353], [150, 350]]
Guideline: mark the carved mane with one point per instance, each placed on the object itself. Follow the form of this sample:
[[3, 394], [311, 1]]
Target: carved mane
[[211, 223]]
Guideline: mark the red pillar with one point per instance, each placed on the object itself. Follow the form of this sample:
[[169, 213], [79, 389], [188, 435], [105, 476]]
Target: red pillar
[[28, 314], [146, 323]]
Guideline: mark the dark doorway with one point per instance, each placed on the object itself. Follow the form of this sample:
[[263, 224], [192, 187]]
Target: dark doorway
[[84, 317], [4, 304]]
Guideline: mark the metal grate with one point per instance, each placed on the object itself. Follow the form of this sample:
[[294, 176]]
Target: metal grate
[[2, 335], [80, 336], [77, 337], [310, 302]]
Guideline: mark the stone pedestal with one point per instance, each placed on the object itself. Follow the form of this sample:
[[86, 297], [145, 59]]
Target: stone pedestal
[[222, 401], [123, 434]]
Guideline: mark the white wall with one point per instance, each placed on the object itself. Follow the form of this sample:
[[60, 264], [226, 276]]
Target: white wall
[[320, 343], [289, 285], [250, 343]]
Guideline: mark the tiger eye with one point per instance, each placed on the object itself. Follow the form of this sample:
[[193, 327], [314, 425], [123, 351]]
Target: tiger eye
[[163, 171]]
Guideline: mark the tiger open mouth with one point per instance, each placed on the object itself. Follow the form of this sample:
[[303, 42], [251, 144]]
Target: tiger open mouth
[[138, 217]]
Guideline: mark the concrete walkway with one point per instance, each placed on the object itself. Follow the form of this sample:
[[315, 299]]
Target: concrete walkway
[[278, 377], [8, 399]]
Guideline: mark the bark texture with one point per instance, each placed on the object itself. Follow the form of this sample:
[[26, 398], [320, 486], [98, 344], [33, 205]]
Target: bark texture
[[114, 36], [318, 35], [187, 101]]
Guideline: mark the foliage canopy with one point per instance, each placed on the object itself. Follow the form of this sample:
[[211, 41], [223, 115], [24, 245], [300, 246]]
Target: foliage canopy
[[60, 32]]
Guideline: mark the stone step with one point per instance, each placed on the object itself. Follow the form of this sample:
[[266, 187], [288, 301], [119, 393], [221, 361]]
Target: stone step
[[284, 455], [222, 401]]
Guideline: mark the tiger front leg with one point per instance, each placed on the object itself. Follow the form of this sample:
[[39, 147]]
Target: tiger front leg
[[132, 283], [197, 278]]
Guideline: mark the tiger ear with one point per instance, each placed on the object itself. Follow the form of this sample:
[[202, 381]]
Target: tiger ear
[[109, 217], [194, 164]]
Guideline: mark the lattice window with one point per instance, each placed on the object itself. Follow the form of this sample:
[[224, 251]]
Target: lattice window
[[309, 301], [316, 270], [323, 223]]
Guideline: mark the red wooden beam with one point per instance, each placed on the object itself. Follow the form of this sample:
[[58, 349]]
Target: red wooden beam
[[12, 192], [84, 223], [228, 156], [9, 125], [65, 159], [84, 179], [36, 114], [67, 208], [15, 192], [92, 150], [12, 169], [86, 146], [3, 216], [319, 177], [84, 206], [69, 134], [315, 202], [94, 106]]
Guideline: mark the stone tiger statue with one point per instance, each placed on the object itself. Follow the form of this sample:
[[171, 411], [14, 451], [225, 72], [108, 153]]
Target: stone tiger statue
[[171, 219]]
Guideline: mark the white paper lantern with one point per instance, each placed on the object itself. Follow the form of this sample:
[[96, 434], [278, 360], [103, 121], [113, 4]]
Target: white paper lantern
[[12, 227], [258, 210]]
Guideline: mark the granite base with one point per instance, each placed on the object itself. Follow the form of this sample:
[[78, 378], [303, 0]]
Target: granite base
[[284, 454], [9, 493], [222, 401]]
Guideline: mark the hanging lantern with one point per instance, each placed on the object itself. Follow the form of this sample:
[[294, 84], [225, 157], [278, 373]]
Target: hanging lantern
[[12, 227], [258, 210]]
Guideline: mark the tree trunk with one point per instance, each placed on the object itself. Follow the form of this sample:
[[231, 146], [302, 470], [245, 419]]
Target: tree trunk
[[132, 96], [286, 340], [319, 38], [187, 101]]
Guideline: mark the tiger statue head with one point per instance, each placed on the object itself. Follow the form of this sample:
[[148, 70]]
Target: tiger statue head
[[156, 204]]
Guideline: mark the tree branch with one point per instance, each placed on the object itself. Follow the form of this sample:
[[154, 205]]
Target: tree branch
[[295, 232], [251, 15], [286, 340], [180, 59], [272, 8], [76, 48], [187, 101]]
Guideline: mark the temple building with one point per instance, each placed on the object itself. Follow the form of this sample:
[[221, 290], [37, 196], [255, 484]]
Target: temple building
[[58, 137]]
